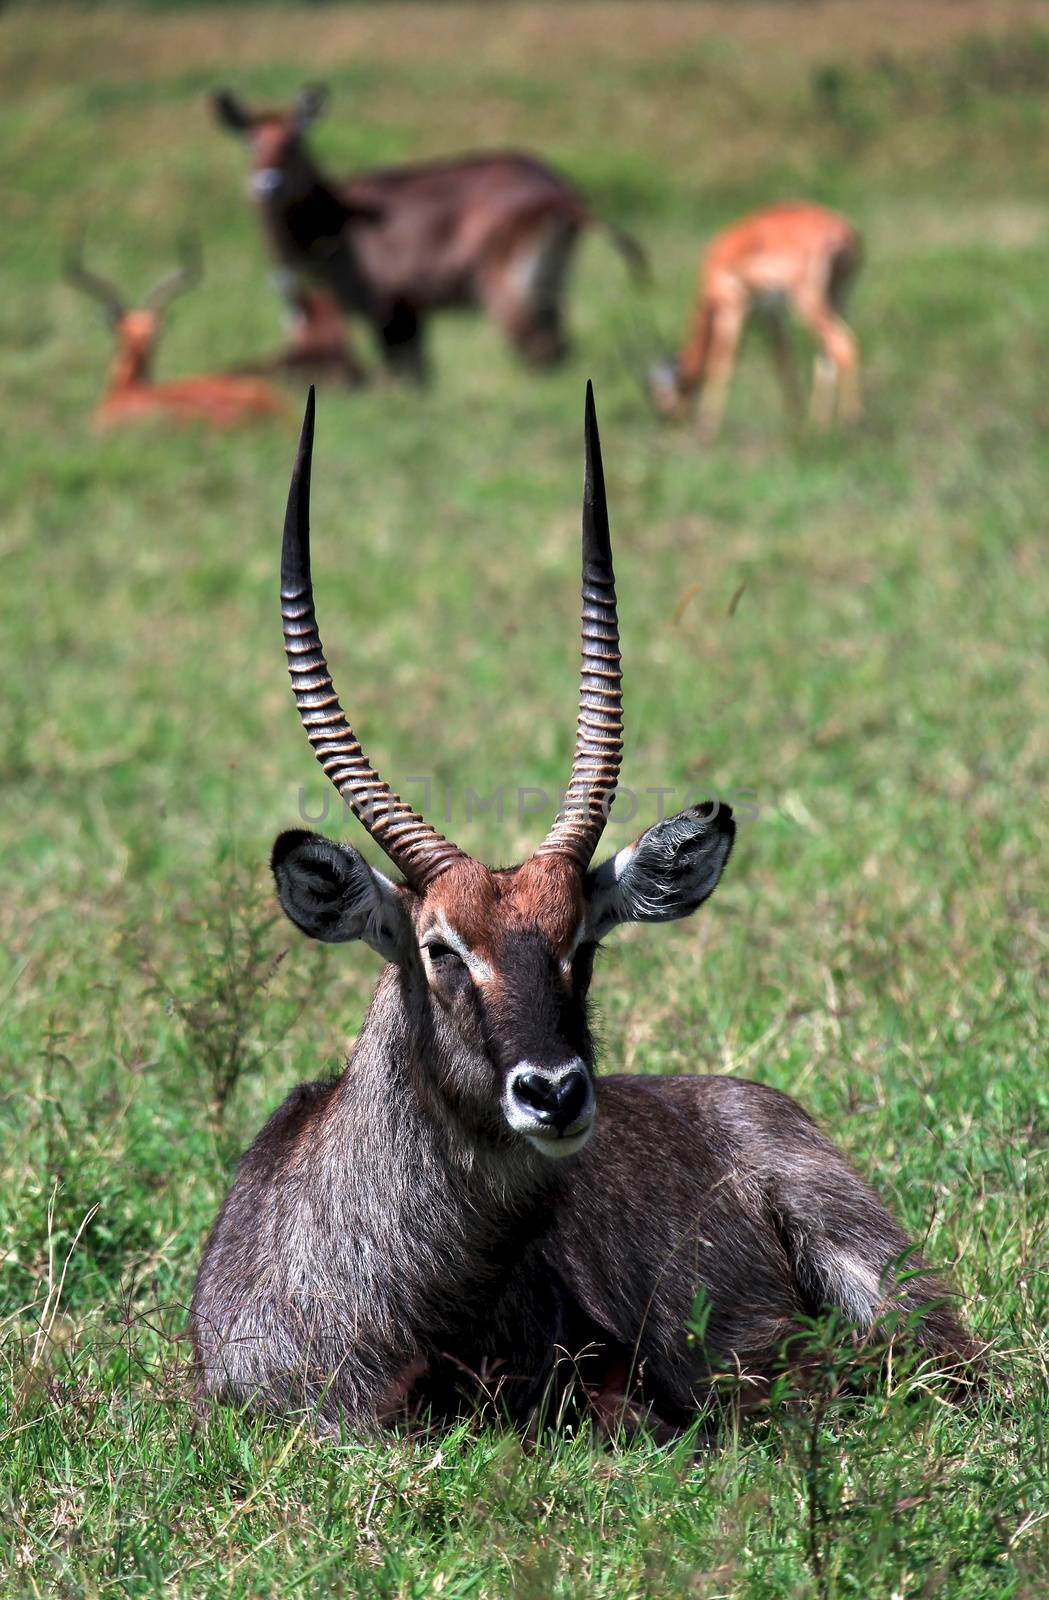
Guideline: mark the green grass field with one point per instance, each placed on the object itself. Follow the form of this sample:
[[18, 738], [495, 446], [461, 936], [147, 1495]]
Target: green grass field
[[880, 945]]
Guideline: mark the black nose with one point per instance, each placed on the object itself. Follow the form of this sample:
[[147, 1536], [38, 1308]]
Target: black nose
[[554, 1099]]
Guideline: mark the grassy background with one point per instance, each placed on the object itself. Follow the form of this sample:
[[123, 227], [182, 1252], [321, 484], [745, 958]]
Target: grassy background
[[880, 944]]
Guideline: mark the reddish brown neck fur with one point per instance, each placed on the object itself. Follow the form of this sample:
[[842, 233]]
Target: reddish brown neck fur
[[132, 366]]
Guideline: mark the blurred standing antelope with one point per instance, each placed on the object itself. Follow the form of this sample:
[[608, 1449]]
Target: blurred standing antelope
[[468, 1207], [789, 257], [221, 399], [489, 229]]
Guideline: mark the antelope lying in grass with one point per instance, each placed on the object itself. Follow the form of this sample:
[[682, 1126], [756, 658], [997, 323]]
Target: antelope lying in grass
[[789, 257], [468, 1203], [222, 400], [317, 347]]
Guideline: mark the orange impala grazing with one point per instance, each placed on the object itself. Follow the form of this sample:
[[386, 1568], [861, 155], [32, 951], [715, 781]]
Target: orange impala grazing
[[793, 257]]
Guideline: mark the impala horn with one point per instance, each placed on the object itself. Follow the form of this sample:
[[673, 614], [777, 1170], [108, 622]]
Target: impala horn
[[416, 849], [599, 729], [90, 283], [188, 273]]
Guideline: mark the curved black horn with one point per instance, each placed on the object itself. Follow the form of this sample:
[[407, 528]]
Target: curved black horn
[[599, 730], [414, 847], [185, 276]]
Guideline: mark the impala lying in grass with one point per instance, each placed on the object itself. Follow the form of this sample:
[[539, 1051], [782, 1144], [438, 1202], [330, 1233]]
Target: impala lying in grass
[[220, 400]]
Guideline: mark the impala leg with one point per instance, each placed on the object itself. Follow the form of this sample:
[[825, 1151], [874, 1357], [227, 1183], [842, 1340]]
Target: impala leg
[[824, 390], [786, 366], [724, 343], [848, 351], [837, 363], [851, 401], [841, 349]]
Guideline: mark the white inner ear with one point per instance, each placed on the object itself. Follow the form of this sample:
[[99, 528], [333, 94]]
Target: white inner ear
[[664, 875], [380, 918], [606, 908]]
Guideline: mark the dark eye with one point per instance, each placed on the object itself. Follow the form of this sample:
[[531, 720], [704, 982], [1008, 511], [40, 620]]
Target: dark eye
[[440, 953]]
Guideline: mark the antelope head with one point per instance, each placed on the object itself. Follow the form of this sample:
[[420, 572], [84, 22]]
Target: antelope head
[[667, 389], [501, 959], [282, 170], [137, 328], [278, 159]]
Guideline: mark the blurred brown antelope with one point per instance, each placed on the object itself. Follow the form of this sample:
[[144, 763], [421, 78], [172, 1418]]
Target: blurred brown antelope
[[490, 230], [222, 400], [788, 257], [468, 1204]]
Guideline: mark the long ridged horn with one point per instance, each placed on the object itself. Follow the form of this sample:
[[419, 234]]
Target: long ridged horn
[[416, 849], [599, 730]]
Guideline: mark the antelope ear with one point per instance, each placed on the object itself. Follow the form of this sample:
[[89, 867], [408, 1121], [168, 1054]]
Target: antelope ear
[[229, 112], [665, 874], [331, 893], [309, 106]]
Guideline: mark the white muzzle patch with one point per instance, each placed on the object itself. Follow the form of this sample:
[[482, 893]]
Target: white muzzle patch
[[544, 1136], [265, 182]]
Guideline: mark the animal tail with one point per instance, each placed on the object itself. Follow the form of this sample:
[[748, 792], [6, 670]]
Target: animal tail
[[845, 264], [628, 248]]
